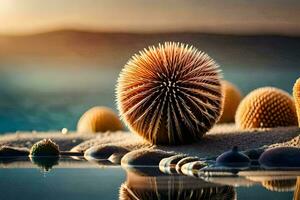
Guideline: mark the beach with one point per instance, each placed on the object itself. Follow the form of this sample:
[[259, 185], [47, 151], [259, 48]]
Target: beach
[[219, 139]]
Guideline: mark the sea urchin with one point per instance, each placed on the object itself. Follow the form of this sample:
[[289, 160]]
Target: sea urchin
[[296, 94], [44, 147], [99, 119], [266, 107], [170, 94], [232, 98]]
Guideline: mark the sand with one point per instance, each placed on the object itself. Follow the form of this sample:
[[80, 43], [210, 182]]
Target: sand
[[219, 139]]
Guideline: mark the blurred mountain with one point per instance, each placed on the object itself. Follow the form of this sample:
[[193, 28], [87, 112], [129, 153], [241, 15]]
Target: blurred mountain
[[114, 49]]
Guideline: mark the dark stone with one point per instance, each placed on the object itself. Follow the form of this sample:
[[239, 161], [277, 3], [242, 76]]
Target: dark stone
[[144, 157], [281, 157], [233, 158], [254, 154], [103, 151], [7, 151]]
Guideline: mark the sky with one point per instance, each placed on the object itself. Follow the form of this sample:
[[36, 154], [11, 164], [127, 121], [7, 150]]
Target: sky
[[209, 16]]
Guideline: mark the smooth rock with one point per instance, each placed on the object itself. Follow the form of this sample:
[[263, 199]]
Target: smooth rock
[[192, 168], [7, 151], [168, 165], [281, 157], [103, 152], [116, 158], [233, 158], [184, 161], [254, 154], [144, 157]]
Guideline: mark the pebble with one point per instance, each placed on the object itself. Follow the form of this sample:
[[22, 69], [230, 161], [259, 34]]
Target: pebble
[[116, 158], [192, 168], [254, 154], [233, 158], [144, 157], [168, 165], [7, 151], [281, 157], [103, 152], [184, 161]]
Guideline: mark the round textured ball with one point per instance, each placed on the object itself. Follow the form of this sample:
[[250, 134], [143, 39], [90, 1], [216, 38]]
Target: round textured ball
[[99, 119], [296, 94], [44, 147], [231, 100], [266, 107], [170, 94]]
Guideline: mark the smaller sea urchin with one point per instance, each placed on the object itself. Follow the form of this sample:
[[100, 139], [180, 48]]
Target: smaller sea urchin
[[99, 119], [44, 147], [296, 94], [265, 108], [231, 100]]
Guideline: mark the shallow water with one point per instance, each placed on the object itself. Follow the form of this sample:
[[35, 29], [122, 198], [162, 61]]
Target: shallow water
[[72, 179], [52, 99]]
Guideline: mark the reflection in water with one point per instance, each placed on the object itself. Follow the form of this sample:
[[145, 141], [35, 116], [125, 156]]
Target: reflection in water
[[6, 161], [45, 163], [103, 163], [236, 181], [171, 187], [297, 189], [280, 185]]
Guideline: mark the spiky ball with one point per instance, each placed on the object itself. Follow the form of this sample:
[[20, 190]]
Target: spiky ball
[[232, 98], [44, 147], [296, 94], [265, 108], [170, 94], [99, 119]]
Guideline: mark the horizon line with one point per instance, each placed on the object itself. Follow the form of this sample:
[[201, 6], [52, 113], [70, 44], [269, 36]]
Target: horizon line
[[145, 32]]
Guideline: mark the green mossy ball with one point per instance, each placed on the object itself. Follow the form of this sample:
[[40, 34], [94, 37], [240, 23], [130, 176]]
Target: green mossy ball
[[44, 147]]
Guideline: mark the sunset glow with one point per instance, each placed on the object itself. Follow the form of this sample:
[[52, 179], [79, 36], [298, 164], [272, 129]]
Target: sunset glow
[[30, 16]]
